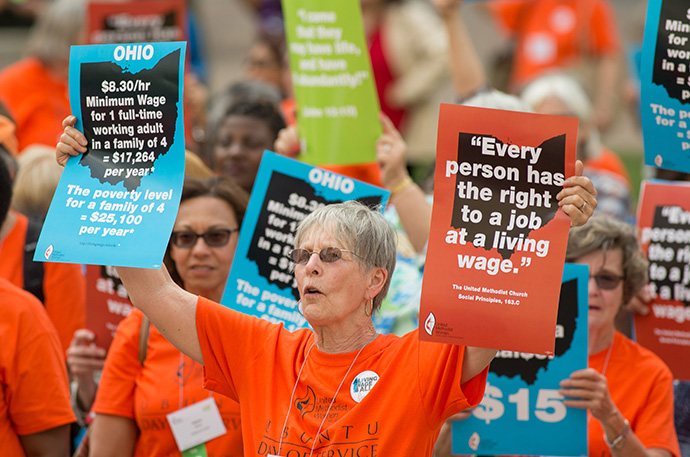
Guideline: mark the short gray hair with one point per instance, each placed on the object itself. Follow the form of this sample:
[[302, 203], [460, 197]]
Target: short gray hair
[[565, 88], [363, 230], [606, 233], [495, 99], [59, 27]]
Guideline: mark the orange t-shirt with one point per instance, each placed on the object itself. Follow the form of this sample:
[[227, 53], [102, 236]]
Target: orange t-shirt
[[641, 387], [148, 394], [552, 34], [64, 286], [37, 100], [33, 380], [282, 378]]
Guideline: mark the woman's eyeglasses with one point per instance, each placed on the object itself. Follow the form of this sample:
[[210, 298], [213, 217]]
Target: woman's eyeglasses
[[215, 238], [607, 281], [327, 255]]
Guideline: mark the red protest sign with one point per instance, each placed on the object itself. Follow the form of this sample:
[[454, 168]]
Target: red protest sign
[[664, 223], [497, 244]]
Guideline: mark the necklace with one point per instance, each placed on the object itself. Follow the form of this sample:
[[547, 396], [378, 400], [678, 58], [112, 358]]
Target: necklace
[[294, 389], [606, 360]]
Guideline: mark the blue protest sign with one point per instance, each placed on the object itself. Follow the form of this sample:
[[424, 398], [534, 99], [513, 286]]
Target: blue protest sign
[[285, 191], [665, 85], [116, 204], [521, 397]]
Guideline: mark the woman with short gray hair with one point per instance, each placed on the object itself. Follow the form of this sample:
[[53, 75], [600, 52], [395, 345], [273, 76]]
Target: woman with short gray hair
[[340, 388]]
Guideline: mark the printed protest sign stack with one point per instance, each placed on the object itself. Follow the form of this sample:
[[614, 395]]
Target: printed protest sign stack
[[664, 223], [665, 85], [522, 398], [497, 241]]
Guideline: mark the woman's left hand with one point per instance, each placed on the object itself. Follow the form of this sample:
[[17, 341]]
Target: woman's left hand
[[588, 389], [391, 154], [578, 197]]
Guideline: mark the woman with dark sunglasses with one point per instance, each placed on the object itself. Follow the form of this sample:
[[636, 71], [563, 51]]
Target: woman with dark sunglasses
[[627, 389], [145, 378]]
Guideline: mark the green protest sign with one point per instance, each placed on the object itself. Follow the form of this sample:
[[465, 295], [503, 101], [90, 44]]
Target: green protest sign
[[331, 74]]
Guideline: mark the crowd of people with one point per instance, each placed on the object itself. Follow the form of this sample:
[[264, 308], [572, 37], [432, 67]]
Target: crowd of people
[[358, 271]]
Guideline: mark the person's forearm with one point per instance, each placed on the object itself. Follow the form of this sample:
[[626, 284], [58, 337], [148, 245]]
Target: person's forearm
[[171, 309], [53, 442], [414, 212], [606, 88], [467, 70], [628, 445], [86, 393]]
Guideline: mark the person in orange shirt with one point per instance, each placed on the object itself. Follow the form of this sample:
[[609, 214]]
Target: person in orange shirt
[[145, 378], [627, 389], [60, 286], [554, 94], [309, 392], [35, 411], [559, 35], [34, 89]]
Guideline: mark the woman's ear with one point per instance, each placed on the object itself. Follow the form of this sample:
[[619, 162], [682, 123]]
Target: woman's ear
[[377, 278]]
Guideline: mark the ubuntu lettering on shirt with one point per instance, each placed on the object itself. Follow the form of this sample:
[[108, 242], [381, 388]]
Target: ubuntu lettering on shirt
[[361, 440]]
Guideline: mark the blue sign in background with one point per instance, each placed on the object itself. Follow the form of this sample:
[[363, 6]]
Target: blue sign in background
[[116, 204], [285, 191], [665, 85], [522, 412]]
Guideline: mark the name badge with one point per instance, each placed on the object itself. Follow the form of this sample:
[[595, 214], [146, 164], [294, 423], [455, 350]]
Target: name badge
[[196, 424]]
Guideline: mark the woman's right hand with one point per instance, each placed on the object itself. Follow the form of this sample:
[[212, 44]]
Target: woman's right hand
[[72, 141]]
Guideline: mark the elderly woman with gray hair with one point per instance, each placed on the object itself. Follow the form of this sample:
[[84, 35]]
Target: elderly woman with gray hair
[[312, 392], [341, 388], [627, 389]]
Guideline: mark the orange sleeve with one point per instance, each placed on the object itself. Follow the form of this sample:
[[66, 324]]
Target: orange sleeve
[[604, 30], [64, 296], [654, 424], [35, 384], [116, 389], [37, 101]]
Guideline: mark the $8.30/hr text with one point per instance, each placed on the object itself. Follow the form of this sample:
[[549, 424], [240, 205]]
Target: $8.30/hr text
[[549, 406], [301, 202], [135, 85]]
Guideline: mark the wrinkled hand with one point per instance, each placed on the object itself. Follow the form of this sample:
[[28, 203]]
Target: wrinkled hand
[[83, 356], [578, 197], [391, 154], [287, 142], [72, 141], [588, 389]]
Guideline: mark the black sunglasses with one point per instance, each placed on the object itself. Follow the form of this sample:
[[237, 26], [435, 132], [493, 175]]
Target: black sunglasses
[[327, 255], [215, 238], [607, 281]]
